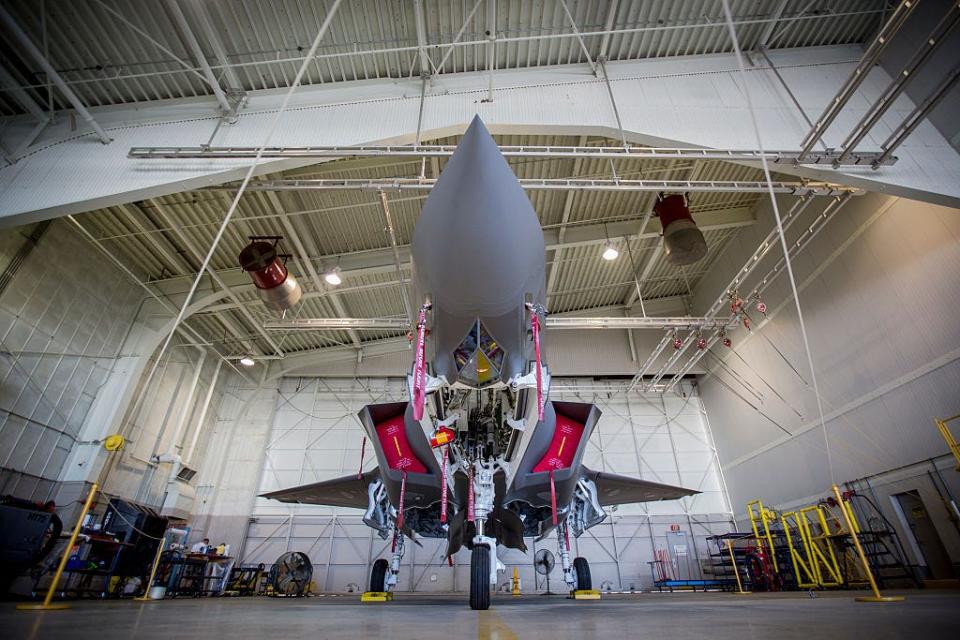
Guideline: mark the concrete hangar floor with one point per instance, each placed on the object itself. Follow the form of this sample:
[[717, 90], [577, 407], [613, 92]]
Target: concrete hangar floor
[[719, 616]]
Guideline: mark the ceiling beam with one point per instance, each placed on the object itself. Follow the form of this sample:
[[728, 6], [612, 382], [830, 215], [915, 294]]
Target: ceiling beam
[[197, 51], [425, 70], [307, 265], [419, 151], [555, 184], [213, 38], [552, 322], [27, 44], [567, 205], [178, 263], [198, 255], [382, 260]]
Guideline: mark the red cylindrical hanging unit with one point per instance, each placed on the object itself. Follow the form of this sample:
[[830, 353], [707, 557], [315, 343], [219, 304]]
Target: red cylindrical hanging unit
[[276, 286], [683, 242]]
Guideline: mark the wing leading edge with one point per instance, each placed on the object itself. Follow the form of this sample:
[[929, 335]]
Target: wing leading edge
[[616, 489], [348, 491]]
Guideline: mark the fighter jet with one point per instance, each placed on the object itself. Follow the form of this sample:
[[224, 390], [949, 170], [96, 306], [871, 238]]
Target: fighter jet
[[479, 455]]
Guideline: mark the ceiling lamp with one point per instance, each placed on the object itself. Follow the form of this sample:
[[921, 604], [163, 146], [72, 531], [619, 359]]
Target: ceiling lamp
[[247, 361], [333, 277], [610, 252]]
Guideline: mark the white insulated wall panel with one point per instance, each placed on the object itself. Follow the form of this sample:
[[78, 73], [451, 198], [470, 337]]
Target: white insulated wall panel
[[63, 319], [878, 288]]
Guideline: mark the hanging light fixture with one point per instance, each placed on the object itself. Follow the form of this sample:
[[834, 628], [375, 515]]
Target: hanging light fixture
[[683, 242], [609, 252], [247, 361], [333, 277]]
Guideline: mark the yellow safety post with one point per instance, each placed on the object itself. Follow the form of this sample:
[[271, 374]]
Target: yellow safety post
[[736, 569], [515, 583], [951, 441], [876, 597], [48, 604], [153, 573]]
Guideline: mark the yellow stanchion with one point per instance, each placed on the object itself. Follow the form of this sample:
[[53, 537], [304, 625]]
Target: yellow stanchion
[[48, 604], [736, 569], [153, 573], [515, 583], [876, 597]]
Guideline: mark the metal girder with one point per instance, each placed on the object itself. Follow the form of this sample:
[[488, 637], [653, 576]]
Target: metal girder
[[458, 42], [576, 33], [917, 116], [631, 322], [556, 184], [198, 254], [307, 264], [612, 7], [510, 151], [176, 261], [206, 25], [396, 255], [565, 217], [338, 324], [21, 96], [775, 15], [184, 327], [552, 322], [927, 48], [491, 46], [201, 59], [425, 69], [383, 261], [870, 57], [20, 35]]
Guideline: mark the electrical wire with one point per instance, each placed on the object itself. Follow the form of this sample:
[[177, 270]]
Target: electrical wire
[[783, 239]]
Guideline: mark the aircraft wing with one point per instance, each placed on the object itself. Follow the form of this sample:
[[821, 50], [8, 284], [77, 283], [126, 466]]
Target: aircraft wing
[[616, 489], [348, 491]]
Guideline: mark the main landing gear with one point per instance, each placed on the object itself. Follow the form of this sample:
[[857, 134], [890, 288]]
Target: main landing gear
[[577, 573]]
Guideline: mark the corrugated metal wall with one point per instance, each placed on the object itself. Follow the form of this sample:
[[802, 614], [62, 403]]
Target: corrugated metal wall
[[880, 288], [306, 430], [63, 318]]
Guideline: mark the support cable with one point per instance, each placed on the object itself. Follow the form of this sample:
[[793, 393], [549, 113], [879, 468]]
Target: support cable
[[236, 199], [783, 239]]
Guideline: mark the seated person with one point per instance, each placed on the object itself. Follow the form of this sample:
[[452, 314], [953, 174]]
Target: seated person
[[201, 547]]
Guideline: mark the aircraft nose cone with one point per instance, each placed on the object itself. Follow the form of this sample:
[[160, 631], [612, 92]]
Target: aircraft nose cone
[[477, 240]]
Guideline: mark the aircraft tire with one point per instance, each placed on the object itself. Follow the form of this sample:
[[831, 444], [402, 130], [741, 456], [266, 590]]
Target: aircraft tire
[[582, 569], [378, 576], [480, 578]]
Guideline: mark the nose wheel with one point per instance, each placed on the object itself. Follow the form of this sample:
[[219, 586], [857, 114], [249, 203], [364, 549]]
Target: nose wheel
[[480, 578]]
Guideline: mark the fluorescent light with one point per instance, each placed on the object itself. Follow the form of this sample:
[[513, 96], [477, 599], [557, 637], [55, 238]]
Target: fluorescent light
[[247, 361], [333, 277], [610, 253]]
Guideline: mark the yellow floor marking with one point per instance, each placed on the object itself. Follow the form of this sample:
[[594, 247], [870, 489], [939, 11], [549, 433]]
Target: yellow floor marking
[[490, 626]]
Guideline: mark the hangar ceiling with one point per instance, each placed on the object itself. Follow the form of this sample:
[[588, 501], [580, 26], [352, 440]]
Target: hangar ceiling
[[111, 53], [121, 51], [347, 230]]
